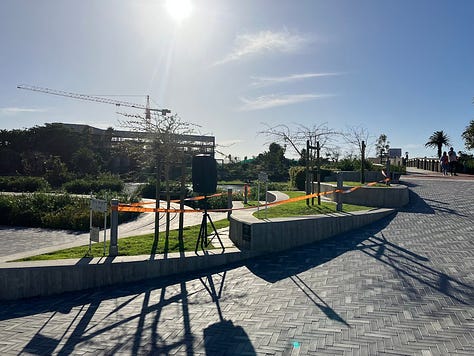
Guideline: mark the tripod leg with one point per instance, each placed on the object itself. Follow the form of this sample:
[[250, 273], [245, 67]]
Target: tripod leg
[[199, 238], [216, 233]]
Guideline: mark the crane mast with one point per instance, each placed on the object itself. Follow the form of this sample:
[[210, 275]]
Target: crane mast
[[96, 99]]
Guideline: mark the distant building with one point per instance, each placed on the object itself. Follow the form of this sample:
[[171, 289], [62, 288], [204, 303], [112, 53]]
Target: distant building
[[394, 152]]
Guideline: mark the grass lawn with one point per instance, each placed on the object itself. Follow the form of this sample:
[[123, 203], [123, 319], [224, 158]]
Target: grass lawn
[[136, 245], [300, 208], [144, 244]]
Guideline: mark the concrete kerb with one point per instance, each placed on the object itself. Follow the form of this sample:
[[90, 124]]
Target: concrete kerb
[[41, 278], [20, 280], [273, 235]]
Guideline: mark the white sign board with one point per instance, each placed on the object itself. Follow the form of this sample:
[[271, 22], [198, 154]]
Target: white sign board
[[95, 234], [99, 205], [263, 177]]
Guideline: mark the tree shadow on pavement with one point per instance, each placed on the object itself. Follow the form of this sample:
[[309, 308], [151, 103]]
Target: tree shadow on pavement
[[278, 266], [414, 272], [417, 205]]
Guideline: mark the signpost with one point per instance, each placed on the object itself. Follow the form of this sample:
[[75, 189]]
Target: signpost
[[100, 206]]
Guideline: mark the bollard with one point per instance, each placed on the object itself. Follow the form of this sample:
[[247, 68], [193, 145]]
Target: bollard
[[339, 193], [113, 248], [229, 202]]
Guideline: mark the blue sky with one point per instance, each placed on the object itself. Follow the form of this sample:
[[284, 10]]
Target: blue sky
[[403, 68]]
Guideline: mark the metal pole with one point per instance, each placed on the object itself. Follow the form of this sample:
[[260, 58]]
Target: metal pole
[[157, 200], [258, 196], [318, 162], [229, 202], [90, 225], [362, 165], [105, 228], [307, 172], [266, 200], [339, 193], [113, 248], [181, 207]]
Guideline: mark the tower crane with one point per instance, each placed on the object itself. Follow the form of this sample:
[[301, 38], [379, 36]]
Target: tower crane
[[97, 99]]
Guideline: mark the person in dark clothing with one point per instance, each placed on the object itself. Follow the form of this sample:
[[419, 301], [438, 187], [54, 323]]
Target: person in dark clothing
[[453, 160]]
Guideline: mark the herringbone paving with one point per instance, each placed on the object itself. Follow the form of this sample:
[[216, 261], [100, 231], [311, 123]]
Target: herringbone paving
[[403, 286]]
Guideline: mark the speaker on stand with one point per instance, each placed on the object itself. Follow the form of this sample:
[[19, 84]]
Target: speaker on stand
[[204, 176]]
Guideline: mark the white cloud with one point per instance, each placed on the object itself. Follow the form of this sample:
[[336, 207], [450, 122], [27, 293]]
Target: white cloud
[[227, 143], [17, 110], [265, 81], [264, 41], [275, 100]]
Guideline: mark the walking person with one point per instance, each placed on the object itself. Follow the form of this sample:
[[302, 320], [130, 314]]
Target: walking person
[[453, 160], [444, 162]]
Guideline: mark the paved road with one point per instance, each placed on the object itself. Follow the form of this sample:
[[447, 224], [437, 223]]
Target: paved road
[[404, 286]]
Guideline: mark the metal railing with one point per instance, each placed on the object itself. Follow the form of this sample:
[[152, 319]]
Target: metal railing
[[427, 164]]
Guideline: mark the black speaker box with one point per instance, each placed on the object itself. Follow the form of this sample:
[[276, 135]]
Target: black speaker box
[[204, 172]]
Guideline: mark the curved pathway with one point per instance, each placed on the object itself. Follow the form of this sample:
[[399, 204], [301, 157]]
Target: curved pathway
[[403, 286]]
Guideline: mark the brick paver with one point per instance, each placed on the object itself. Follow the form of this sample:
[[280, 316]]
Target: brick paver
[[403, 286]]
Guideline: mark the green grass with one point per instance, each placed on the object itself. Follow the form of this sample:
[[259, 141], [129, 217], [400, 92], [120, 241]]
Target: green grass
[[144, 244], [299, 208], [136, 245], [358, 184]]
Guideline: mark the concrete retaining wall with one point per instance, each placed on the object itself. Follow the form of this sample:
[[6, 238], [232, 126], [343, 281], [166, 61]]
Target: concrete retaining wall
[[255, 237], [394, 196], [41, 278], [249, 233]]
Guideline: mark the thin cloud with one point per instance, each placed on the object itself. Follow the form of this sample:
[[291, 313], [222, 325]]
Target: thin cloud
[[266, 81], [274, 100], [227, 143], [264, 41], [17, 110]]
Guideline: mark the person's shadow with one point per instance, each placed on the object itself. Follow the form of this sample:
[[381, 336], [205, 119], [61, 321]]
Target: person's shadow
[[223, 337]]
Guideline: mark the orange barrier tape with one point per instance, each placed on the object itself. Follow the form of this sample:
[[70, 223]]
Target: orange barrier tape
[[138, 208]]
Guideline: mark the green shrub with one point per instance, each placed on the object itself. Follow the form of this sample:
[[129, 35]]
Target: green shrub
[[217, 202], [87, 185], [23, 184], [57, 211], [148, 190], [298, 177]]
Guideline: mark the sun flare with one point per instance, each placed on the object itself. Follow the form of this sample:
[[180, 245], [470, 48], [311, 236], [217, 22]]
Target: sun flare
[[179, 10]]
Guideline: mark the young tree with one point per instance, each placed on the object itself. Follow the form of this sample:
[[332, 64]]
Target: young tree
[[356, 135], [297, 136], [468, 136], [275, 163], [162, 137], [438, 139], [382, 146]]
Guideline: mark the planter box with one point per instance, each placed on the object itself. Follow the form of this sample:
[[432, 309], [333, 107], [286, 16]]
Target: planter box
[[394, 196]]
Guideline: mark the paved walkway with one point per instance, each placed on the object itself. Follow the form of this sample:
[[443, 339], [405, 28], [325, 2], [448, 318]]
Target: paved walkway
[[404, 286]]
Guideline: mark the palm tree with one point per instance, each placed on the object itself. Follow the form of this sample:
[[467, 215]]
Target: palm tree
[[438, 139]]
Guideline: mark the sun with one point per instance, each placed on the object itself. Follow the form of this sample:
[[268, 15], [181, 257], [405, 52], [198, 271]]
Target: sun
[[179, 10]]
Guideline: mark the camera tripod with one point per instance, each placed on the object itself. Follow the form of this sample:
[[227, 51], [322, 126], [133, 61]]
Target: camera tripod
[[202, 237]]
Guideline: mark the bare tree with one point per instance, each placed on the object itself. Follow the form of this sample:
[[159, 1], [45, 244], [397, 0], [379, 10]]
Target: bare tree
[[162, 138], [356, 135], [298, 135]]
